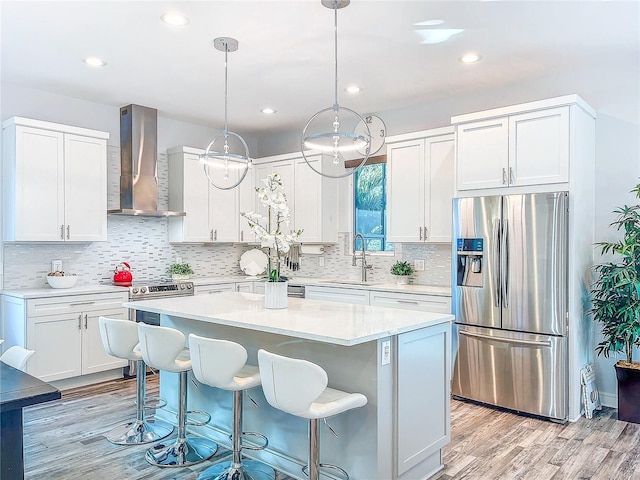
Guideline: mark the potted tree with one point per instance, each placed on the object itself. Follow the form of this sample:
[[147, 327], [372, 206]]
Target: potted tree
[[616, 306], [402, 271]]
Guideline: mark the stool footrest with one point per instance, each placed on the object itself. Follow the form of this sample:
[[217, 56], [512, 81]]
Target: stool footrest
[[264, 439], [196, 423], [345, 475]]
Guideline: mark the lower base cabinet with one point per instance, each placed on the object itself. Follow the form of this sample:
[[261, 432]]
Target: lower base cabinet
[[64, 333]]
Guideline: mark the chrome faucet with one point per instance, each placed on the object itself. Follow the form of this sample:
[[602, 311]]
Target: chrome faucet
[[365, 267]]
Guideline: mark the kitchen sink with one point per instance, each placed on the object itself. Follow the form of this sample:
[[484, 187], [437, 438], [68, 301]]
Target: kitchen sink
[[351, 282]]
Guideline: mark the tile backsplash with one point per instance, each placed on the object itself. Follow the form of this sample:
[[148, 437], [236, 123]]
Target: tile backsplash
[[143, 243]]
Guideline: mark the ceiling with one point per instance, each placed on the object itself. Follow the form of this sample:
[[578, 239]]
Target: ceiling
[[285, 59]]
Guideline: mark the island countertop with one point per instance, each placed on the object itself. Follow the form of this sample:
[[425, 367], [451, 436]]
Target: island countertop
[[328, 322]]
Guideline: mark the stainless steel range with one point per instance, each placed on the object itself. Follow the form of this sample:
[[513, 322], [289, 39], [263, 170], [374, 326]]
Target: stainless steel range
[[150, 291]]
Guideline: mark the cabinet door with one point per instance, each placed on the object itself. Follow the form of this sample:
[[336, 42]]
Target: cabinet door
[[57, 341], [261, 172], [405, 191], [224, 213], [39, 185], [196, 225], [219, 288], [439, 188], [94, 358], [85, 188], [539, 147], [308, 204], [286, 171], [247, 203], [483, 154]]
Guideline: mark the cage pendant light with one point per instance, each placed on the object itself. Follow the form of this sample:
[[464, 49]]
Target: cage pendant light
[[226, 159], [332, 131]]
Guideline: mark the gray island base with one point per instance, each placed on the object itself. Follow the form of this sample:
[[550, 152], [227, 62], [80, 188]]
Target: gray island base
[[399, 434]]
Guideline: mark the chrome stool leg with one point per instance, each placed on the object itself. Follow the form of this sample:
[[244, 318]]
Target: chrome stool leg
[[183, 451], [237, 469], [141, 430], [314, 466]]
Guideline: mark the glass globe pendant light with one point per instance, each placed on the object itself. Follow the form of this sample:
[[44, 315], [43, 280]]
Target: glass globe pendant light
[[226, 159], [333, 130]]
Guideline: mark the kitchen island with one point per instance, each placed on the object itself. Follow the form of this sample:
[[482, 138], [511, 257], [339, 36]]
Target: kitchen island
[[399, 359]]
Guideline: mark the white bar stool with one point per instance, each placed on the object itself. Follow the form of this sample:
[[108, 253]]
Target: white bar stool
[[16, 356], [120, 339], [222, 364], [299, 387], [164, 348]]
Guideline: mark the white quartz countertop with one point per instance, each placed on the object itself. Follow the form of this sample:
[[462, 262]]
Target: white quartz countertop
[[27, 293], [439, 290], [328, 322]]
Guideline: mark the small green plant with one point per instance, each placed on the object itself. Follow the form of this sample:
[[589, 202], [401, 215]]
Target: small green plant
[[616, 292], [180, 269], [402, 268]]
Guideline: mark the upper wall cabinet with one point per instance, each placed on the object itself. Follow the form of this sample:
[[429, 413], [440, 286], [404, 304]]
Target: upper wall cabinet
[[518, 146], [54, 182], [420, 185], [212, 214], [311, 197]]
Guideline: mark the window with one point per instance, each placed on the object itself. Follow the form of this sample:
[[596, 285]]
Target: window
[[370, 216]]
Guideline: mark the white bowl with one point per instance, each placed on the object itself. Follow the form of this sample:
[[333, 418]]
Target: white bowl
[[67, 281]]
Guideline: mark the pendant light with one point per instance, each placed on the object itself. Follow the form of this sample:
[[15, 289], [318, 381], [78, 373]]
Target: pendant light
[[226, 159], [338, 132]]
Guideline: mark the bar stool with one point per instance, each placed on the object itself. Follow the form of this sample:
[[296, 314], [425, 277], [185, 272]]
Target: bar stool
[[16, 356], [222, 364], [120, 339], [299, 387], [164, 348]]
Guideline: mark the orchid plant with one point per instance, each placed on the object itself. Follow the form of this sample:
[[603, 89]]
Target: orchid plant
[[269, 229]]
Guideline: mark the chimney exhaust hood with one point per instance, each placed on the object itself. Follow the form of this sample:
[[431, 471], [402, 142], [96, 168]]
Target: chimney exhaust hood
[[138, 162]]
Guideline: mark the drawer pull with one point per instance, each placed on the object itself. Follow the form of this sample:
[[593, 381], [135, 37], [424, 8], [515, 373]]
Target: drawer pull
[[80, 322], [81, 303], [411, 302], [85, 321]]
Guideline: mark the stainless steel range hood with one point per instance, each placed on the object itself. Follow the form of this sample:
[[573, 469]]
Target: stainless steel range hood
[[138, 161]]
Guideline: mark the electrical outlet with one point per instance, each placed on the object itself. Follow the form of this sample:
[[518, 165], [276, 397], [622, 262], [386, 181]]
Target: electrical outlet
[[321, 261], [178, 259], [56, 265], [385, 353], [418, 265]]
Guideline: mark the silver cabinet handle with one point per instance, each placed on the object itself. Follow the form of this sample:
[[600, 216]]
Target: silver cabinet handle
[[215, 234], [211, 235], [426, 233], [85, 320], [68, 232], [61, 232], [410, 302], [242, 235], [420, 233], [504, 176], [512, 178], [515, 341], [81, 303], [80, 322]]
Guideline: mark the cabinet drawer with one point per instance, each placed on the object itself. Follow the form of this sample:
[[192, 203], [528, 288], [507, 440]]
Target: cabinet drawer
[[342, 295], [39, 307], [219, 288], [412, 301]]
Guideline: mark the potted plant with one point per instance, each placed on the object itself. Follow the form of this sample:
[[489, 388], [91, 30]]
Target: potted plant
[[616, 306], [402, 271], [269, 231], [180, 271]]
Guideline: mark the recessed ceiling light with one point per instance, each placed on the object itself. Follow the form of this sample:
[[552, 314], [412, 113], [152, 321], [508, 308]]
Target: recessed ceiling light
[[470, 58], [175, 19], [94, 62], [353, 89], [268, 111], [438, 35]]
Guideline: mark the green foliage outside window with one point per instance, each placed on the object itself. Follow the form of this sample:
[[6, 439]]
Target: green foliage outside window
[[371, 207]]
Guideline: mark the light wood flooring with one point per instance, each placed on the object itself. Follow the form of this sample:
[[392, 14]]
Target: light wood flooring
[[65, 440]]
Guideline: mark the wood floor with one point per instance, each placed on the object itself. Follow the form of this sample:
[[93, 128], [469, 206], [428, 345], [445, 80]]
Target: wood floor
[[65, 440]]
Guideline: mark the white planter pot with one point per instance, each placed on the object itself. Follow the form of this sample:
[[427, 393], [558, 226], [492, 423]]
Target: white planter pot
[[402, 279], [177, 277], [275, 295]]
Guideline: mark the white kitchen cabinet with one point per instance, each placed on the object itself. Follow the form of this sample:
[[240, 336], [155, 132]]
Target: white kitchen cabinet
[[518, 146], [212, 214], [337, 294], [54, 182], [420, 186], [247, 203], [311, 197], [64, 333], [411, 301], [245, 287]]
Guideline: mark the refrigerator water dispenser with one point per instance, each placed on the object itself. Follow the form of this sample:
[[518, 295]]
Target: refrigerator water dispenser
[[469, 261]]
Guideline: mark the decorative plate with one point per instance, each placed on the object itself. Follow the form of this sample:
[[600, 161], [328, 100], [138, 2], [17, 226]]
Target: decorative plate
[[254, 262]]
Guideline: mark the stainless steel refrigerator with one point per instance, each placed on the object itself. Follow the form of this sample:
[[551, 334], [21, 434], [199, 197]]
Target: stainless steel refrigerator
[[510, 302]]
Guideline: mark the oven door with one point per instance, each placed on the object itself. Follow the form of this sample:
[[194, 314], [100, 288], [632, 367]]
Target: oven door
[[146, 317]]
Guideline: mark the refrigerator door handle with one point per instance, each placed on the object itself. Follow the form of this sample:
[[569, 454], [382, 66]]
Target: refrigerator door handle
[[496, 262], [533, 343], [504, 265]]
